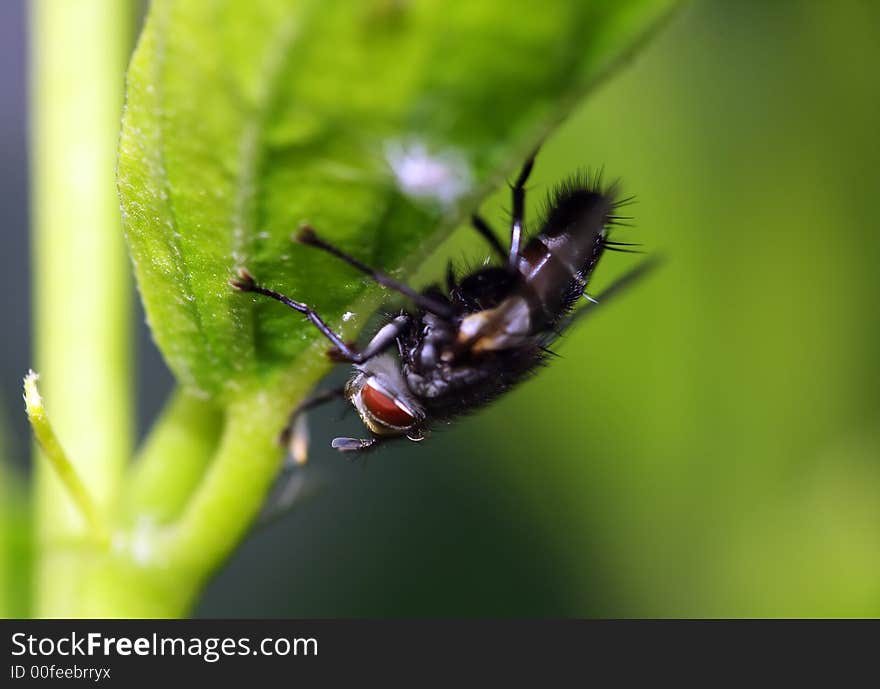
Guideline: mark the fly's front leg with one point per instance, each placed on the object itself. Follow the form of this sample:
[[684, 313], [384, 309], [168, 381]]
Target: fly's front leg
[[342, 351], [245, 283], [381, 341]]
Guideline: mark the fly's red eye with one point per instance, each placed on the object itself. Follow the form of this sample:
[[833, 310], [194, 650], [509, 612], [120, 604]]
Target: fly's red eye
[[383, 408]]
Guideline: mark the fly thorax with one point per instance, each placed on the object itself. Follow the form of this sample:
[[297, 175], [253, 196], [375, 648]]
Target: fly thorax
[[436, 336], [505, 326]]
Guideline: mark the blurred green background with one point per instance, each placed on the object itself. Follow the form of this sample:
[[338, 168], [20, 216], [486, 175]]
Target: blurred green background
[[708, 445]]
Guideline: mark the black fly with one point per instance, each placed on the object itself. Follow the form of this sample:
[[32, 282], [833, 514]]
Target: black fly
[[464, 346]]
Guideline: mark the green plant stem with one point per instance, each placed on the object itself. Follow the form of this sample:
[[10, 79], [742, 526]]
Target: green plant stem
[[235, 486], [15, 550], [81, 276], [173, 460], [158, 570]]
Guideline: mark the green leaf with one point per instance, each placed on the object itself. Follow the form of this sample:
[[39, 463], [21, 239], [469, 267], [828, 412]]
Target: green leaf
[[380, 123]]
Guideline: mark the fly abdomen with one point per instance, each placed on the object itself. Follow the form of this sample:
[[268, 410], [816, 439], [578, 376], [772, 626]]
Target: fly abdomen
[[556, 264]]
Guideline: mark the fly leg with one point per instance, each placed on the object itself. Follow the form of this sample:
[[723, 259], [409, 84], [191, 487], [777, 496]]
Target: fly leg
[[342, 351], [381, 341], [295, 435], [481, 226], [309, 237], [616, 288], [245, 283], [518, 192]]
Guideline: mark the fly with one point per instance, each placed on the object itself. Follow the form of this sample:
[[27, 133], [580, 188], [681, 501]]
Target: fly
[[464, 346]]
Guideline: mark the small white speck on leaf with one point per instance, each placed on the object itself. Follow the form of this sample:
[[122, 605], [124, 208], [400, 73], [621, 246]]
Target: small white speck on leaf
[[442, 176]]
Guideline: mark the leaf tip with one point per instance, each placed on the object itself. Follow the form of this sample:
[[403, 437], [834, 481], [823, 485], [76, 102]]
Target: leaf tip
[[32, 399]]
